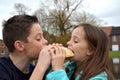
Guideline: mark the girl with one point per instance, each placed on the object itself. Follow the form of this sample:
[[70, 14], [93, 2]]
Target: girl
[[91, 56]]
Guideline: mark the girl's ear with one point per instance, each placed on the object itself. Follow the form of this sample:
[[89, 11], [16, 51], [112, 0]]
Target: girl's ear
[[18, 45], [90, 52]]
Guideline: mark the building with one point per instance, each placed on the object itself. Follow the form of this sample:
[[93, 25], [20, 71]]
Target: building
[[115, 38], [113, 34]]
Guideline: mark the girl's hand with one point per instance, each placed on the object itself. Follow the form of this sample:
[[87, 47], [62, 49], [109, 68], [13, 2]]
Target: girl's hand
[[58, 57]]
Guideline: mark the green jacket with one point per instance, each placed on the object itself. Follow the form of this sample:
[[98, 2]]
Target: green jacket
[[62, 75]]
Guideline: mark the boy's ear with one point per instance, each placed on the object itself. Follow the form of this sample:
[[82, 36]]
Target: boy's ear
[[18, 45]]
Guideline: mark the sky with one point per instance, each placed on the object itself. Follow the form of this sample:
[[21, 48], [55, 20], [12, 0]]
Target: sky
[[106, 10]]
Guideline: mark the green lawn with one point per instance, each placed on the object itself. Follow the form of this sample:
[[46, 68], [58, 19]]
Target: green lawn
[[114, 54]]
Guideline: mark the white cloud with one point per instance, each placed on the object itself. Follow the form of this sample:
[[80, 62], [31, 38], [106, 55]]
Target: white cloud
[[102, 6], [107, 10]]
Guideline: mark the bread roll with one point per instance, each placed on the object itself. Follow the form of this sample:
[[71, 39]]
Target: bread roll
[[69, 53]]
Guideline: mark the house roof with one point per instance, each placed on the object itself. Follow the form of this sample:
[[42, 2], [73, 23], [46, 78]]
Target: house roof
[[115, 31], [107, 30]]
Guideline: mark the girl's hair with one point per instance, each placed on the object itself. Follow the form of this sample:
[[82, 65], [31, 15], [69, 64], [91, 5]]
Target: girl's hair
[[99, 44]]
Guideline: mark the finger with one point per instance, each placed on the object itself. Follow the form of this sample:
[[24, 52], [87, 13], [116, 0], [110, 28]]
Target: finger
[[57, 50], [53, 44], [52, 51], [63, 51], [61, 45]]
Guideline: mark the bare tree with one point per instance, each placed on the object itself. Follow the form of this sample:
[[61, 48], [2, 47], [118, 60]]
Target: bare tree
[[84, 17], [20, 9], [58, 18]]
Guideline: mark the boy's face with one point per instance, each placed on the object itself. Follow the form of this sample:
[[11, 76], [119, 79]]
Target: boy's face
[[36, 42]]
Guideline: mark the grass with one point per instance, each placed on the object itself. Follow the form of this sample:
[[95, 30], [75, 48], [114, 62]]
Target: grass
[[114, 54]]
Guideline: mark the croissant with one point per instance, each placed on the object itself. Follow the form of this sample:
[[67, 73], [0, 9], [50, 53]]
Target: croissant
[[69, 53]]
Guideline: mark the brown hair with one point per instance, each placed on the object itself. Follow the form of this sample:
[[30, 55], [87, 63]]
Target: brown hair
[[17, 28], [99, 61]]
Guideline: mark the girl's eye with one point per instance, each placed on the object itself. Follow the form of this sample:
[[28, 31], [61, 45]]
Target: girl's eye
[[38, 39], [76, 40]]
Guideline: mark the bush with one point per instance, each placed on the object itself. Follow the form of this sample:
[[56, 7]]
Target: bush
[[114, 54]]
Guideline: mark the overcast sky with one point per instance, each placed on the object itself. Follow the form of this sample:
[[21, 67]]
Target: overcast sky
[[107, 10]]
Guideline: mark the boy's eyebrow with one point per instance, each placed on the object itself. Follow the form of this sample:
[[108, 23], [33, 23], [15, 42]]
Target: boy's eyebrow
[[38, 34]]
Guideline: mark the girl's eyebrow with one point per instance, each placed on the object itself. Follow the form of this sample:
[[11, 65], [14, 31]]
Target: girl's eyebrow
[[76, 36]]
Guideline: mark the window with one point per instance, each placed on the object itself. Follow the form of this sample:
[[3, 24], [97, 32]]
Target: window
[[115, 47], [114, 38]]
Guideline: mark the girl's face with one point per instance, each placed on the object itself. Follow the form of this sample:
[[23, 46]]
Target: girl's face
[[78, 44]]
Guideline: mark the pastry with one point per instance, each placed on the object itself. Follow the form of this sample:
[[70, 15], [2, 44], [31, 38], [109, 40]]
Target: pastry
[[69, 53]]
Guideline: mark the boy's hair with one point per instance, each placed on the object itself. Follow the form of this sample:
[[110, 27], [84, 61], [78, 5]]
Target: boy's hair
[[17, 28]]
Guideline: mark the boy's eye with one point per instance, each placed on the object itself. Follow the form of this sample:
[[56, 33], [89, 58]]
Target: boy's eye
[[76, 41]]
